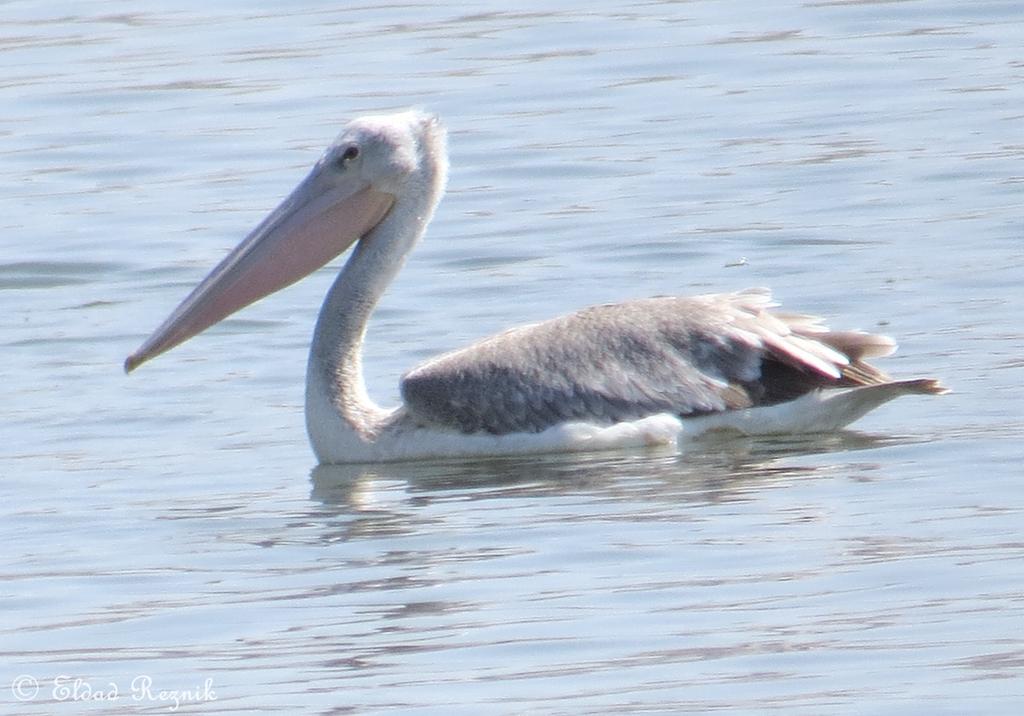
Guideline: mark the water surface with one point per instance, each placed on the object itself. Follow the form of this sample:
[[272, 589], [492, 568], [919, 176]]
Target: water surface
[[862, 159]]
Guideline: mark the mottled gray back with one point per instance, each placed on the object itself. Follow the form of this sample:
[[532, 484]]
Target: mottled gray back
[[605, 364]]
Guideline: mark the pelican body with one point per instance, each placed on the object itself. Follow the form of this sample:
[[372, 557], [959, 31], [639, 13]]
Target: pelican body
[[644, 372]]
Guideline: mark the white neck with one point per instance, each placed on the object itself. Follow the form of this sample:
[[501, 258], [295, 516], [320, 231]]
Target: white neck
[[338, 408]]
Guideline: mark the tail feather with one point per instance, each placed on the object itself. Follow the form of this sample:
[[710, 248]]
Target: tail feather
[[820, 411], [921, 386], [811, 378], [837, 409]]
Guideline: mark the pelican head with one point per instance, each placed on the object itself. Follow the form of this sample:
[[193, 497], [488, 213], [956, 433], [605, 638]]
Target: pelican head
[[378, 167]]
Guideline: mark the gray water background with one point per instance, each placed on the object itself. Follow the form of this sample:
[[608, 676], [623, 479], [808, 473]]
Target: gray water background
[[864, 159]]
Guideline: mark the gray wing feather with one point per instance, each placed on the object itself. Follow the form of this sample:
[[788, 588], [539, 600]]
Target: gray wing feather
[[606, 364]]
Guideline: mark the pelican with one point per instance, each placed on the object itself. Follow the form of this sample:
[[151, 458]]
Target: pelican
[[642, 372]]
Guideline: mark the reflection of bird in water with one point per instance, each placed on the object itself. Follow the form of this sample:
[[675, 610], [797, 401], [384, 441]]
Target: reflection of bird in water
[[633, 373], [392, 498]]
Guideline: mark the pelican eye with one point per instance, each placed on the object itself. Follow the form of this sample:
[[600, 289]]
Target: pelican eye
[[350, 153]]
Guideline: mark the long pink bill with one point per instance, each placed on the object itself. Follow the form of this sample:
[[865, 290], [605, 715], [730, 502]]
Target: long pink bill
[[319, 220]]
